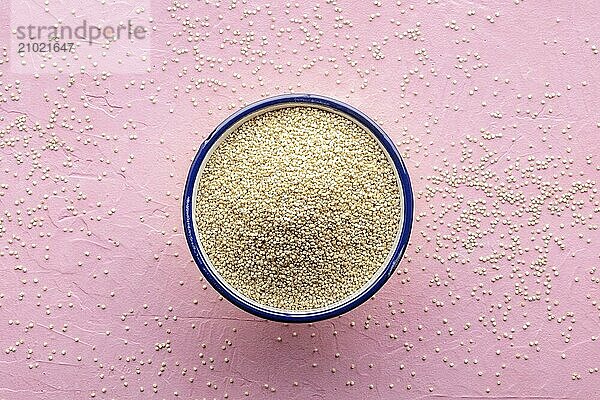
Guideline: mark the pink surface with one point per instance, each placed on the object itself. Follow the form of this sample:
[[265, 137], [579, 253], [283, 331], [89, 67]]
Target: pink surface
[[495, 107]]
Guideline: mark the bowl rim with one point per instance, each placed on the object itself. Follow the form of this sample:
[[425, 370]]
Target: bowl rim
[[310, 315]]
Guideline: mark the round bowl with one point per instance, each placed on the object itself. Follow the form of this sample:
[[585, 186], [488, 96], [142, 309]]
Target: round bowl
[[228, 291]]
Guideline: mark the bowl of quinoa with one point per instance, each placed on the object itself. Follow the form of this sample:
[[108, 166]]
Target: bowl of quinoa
[[297, 208]]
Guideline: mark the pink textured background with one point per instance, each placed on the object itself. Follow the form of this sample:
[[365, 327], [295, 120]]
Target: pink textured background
[[495, 106]]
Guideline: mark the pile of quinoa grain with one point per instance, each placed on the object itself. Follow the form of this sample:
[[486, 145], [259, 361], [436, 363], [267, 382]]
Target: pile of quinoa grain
[[298, 208]]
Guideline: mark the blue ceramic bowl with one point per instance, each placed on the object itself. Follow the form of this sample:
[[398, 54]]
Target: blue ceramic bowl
[[229, 292]]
